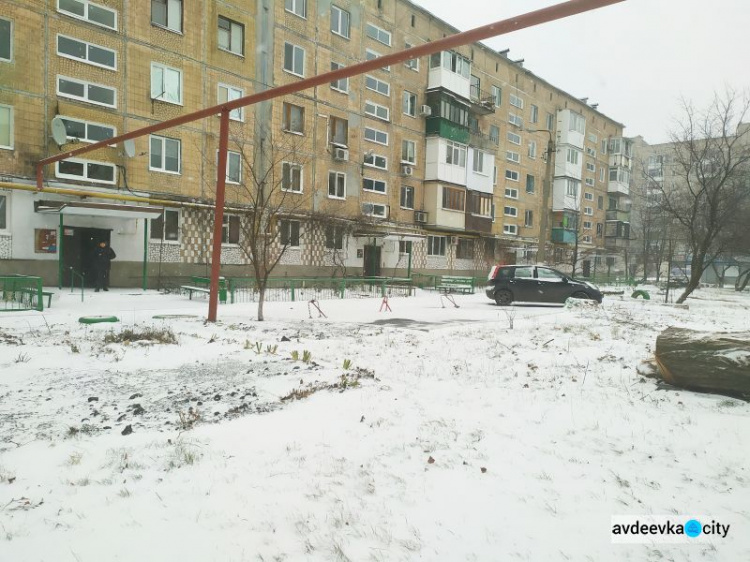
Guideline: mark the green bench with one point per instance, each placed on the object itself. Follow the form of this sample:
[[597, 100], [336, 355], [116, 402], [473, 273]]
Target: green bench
[[47, 294], [455, 284], [203, 285]]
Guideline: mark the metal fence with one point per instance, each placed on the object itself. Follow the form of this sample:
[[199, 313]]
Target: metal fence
[[304, 289], [21, 292]]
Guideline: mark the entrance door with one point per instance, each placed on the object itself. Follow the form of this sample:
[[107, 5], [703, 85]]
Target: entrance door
[[79, 245], [372, 261], [586, 268]]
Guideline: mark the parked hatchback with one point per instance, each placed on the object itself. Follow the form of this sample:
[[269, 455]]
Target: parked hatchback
[[534, 283]]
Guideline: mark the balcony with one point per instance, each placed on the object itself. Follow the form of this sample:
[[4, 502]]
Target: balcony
[[447, 129], [563, 236], [617, 229], [619, 188], [618, 215], [482, 140], [482, 103], [616, 243]]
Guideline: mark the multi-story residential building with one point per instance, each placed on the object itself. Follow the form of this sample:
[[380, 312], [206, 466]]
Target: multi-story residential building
[[434, 165]]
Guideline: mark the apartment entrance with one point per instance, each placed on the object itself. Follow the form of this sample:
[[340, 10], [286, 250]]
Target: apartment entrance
[[79, 245], [372, 261]]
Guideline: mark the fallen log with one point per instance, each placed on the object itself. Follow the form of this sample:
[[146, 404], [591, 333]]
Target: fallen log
[[716, 362]]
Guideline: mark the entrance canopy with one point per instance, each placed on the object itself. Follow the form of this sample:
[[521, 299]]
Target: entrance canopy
[[98, 209]]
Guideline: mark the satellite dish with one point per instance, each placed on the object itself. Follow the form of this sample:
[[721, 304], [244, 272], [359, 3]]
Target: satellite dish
[[129, 147], [59, 133]]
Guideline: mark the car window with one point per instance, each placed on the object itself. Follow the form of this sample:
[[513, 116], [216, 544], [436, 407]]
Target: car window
[[548, 274], [524, 273]]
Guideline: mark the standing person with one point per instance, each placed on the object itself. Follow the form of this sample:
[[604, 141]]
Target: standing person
[[103, 257]]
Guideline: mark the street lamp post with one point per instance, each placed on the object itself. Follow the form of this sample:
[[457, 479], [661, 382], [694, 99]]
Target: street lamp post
[[541, 253]]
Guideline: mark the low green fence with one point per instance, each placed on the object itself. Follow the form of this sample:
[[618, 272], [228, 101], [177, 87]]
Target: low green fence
[[245, 289], [21, 292]]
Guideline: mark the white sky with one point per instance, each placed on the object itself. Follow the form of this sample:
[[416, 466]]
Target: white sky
[[636, 59]]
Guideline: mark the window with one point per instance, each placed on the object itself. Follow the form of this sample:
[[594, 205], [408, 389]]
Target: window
[[85, 131], [601, 173], [530, 183], [166, 83], [590, 182], [436, 245], [342, 84], [586, 239], [410, 104], [480, 204], [376, 161], [231, 36], [335, 237], [289, 233], [534, 114], [167, 13], [407, 197], [510, 211], [550, 122], [588, 211], [514, 119], [495, 134], [604, 146], [455, 154], [514, 138], [291, 177], [478, 162], [87, 52], [465, 249], [88, 11], [86, 91], [374, 135], [293, 118], [573, 156], [599, 229], [369, 184], [600, 202], [592, 138], [6, 39], [528, 218], [372, 83], [6, 126], [337, 185], [166, 227], [511, 175], [297, 7], [340, 21], [86, 170], [513, 156], [497, 95], [516, 101], [294, 59], [510, 229], [532, 149], [375, 210], [370, 55], [454, 199], [511, 192], [571, 188], [408, 152], [591, 152], [586, 225], [577, 123], [588, 196], [339, 131], [229, 93], [453, 62], [230, 229], [590, 167], [494, 176], [404, 246], [381, 35], [411, 63], [3, 212], [376, 110], [165, 154], [234, 167]]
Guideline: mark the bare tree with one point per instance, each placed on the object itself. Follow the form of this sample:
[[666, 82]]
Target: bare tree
[[710, 163]]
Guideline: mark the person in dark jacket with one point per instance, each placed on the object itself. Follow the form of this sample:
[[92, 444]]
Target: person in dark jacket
[[103, 257]]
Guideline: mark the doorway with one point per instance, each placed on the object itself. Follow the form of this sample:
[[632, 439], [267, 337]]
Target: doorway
[[372, 261], [587, 268], [79, 245]]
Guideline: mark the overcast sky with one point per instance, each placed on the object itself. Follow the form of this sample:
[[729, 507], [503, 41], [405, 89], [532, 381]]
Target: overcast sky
[[635, 59]]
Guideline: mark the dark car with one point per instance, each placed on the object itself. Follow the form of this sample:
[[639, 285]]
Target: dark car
[[535, 283]]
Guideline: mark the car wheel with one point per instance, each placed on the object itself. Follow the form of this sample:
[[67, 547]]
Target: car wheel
[[503, 298], [579, 295]]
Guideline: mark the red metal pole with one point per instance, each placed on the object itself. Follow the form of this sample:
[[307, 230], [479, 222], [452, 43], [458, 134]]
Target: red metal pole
[[213, 295], [530, 19]]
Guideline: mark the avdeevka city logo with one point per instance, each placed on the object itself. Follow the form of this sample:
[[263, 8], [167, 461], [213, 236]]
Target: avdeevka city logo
[[666, 529], [693, 528]]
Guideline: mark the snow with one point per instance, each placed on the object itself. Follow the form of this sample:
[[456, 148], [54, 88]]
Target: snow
[[450, 436]]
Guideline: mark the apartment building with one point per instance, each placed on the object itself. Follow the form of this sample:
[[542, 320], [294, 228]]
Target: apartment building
[[434, 165]]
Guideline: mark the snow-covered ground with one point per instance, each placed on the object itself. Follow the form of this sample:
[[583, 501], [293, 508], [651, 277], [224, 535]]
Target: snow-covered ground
[[446, 436]]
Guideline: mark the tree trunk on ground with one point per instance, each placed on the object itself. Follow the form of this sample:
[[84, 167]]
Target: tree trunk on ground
[[261, 299], [742, 280], [705, 361], [696, 271]]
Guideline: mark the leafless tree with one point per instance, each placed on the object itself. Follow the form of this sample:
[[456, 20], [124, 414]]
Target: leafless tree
[[710, 163]]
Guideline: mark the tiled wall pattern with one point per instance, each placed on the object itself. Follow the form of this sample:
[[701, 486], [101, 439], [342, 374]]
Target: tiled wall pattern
[[5, 245]]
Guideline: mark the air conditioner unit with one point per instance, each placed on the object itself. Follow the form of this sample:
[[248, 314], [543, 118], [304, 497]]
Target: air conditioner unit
[[341, 154], [425, 110], [420, 216], [407, 170]]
